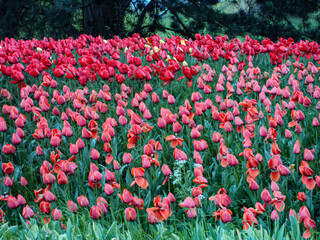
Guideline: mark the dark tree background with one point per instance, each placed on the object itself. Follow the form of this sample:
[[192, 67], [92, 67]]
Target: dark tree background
[[299, 19]]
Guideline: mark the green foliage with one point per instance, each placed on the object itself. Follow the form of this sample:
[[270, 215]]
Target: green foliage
[[76, 228], [61, 19]]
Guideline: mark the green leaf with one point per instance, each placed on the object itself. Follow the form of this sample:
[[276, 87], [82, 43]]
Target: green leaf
[[279, 234], [110, 230], [96, 231], [34, 231], [69, 229]]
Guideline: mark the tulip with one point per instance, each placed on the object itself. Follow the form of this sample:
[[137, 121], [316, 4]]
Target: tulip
[[102, 204], [56, 214], [126, 196], [12, 202], [48, 178], [192, 213], [308, 154], [166, 170], [45, 207], [3, 125], [7, 181], [23, 181], [187, 203], [131, 214], [62, 178], [21, 200], [266, 196], [274, 186], [80, 144], [108, 189], [95, 154], [288, 134], [161, 123], [225, 215], [72, 206], [127, 158], [303, 214], [27, 212], [8, 168], [296, 147], [152, 219], [176, 127], [179, 155], [49, 196], [83, 201], [274, 215], [148, 149], [292, 213], [302, 197]]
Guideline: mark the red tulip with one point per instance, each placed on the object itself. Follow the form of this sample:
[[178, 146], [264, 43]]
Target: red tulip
[[86, 134], [288, 134], [179, 155], [45, 207], [108, 189], [296, 147], [95, 212], [308, 154], [62, 178], [192, 213], [55, 141], [292, 213], [21, 200], [221, 199], [16, 140], [127, 158], [166, 170], [56, 214], [3, 125], [278, 201], [131, 214], [48, 178], [7, 181], [155, 98], [177, 127], [102, 204], [248, 219], [23, 181], [72, 206], [302, 197], [303, 214], [266, 196], [126, 196], [27, 212], [95, 154], [83, 201], [274, 215], [283, 170], [80, 144], [7, 168], [232, 160], [12, 202], [225, 215], [188, 203]]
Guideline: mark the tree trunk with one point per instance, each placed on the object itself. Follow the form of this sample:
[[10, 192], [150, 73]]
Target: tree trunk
[[105, 18]]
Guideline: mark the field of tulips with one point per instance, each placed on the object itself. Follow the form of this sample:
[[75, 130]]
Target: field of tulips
[[160, 136]]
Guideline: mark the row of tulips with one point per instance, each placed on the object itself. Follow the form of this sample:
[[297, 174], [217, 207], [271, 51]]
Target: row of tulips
[[110, 123]]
